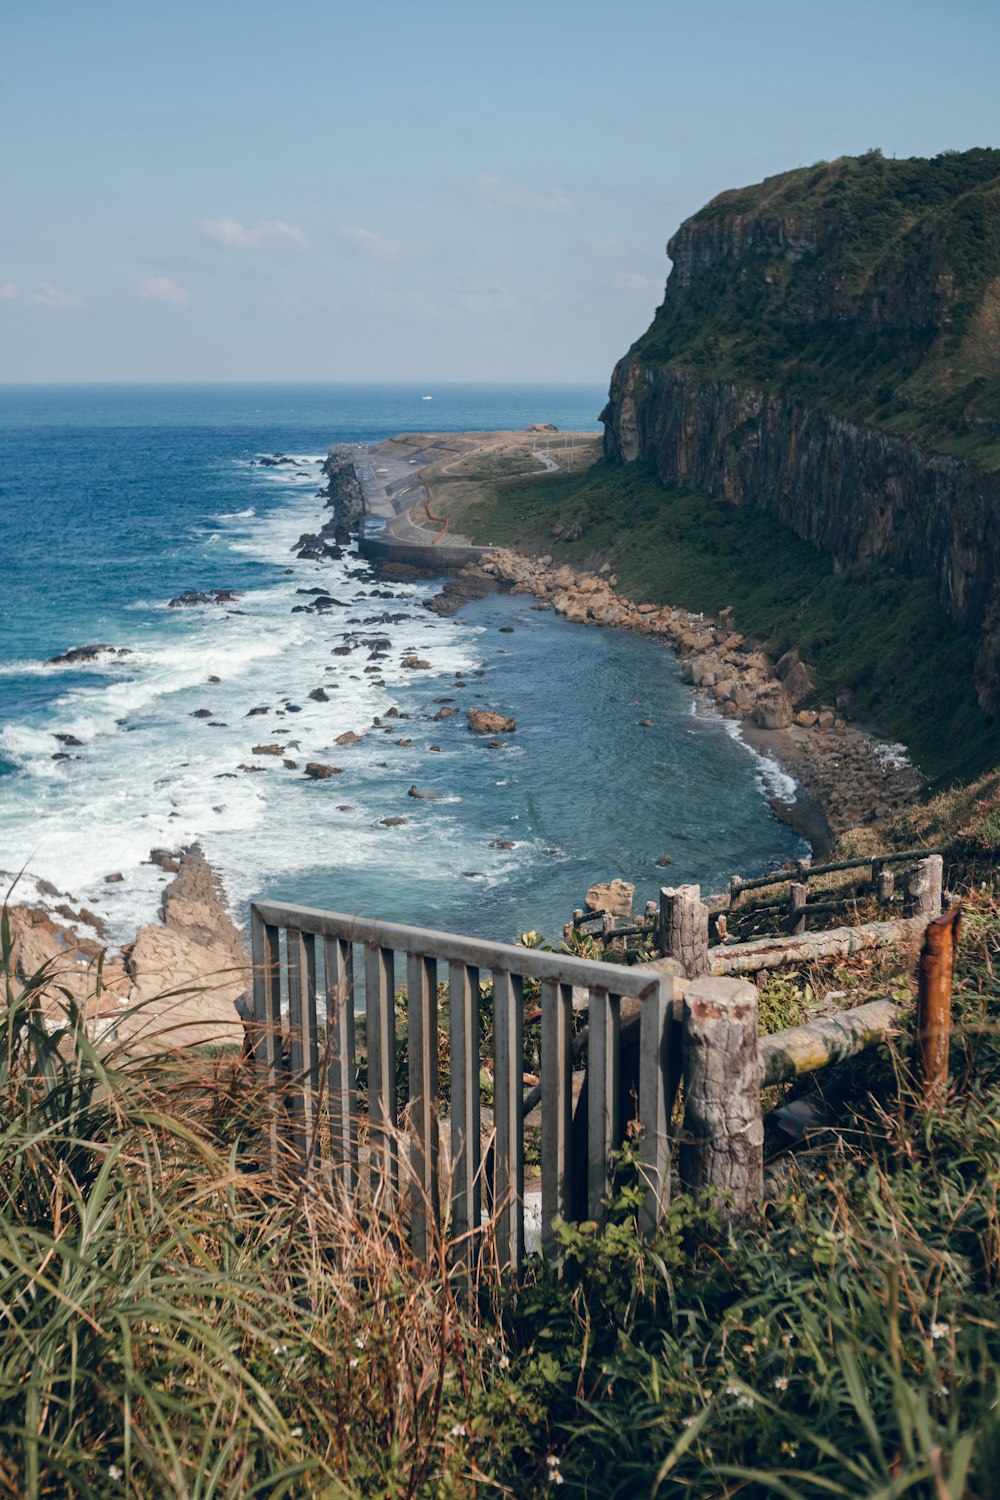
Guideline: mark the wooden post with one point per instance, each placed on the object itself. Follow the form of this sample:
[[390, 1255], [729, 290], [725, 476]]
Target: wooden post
[[798, 894], [885, 885], [735, 886], [684, 928], [923, 887], [722, 1147], [935, 976]]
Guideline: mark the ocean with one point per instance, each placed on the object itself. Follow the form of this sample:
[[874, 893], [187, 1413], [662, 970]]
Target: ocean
[[117, 499]]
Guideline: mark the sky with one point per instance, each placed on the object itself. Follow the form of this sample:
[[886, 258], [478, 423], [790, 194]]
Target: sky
[[419, 189]]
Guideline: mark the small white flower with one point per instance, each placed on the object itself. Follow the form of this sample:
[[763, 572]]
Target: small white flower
[[359, 1343], [280, 1349], [781, 1382], [115, 1473], [504, 1362], [353, 1364], [458, 1430], [744, 1400], [687, 1421], [296, 1432], [732, 1390], [941, 1331]]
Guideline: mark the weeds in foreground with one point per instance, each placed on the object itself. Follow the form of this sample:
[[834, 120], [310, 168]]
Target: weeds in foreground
[[176, 1322]]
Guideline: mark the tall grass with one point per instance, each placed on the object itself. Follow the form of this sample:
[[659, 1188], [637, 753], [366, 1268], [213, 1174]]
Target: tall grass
[[174, 1320]]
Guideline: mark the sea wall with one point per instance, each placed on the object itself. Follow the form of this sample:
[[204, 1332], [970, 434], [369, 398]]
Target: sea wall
[[861, 494]]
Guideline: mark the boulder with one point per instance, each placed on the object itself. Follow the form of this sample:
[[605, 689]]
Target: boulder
[[488, 721], [798, 685], [415, 663], [319, 695], [268, 750], [772, 709], [416, 791], [348, 738], [317, 771], [614, 896]]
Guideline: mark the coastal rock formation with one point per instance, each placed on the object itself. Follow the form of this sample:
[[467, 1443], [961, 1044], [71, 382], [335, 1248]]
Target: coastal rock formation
[[612, 896], [345, 496], [825, 350], [187, 971]]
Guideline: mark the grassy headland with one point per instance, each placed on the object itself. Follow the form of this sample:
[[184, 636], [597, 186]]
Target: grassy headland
[[868, 632]]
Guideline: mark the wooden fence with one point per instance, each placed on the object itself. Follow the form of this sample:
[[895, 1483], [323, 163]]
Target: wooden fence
[[305, 963], [646, 1028]]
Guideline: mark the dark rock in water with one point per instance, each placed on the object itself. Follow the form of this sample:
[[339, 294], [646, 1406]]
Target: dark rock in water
[[468, 584], [114, 879], [645, 723], [664, 860], [62, 755], [217, 724], [293, 708], [267, 750], [392, 713], [191, 597], [215, 679], [343, 650], [443, 713], [434, 747], [415, 663], [275, 461], [348, 738], [317, 771], [320, 695], [393, 822], [203, 713], [473, 874], [444, 700], [406, 744], [260, 709], [251, 770], [501, 844], [86, 653], [415, 791], [496, 744], [290, 765], [506, 630], [165, 858], [345, 807], [68, 739]]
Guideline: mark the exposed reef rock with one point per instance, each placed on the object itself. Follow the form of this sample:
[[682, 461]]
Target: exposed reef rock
[[826, 350]]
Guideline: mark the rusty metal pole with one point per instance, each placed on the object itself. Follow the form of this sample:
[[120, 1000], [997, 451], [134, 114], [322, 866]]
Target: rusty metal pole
[[935, 977]]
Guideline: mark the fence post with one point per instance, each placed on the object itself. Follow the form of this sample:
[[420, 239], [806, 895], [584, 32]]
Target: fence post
[[723, 1139], [684, 927], [935, 976], [923, 887], [798, 894]]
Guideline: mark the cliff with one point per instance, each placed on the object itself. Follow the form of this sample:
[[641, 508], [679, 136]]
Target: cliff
[[827, 350]]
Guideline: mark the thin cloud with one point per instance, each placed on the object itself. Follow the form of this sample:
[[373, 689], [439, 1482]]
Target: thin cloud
[[50, 296], [377, 246], [163, 289], [499, 195], [487, 298], [8, 292], [237, 236]]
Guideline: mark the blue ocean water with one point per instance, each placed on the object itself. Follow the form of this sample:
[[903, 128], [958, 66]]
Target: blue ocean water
[[115, 499]]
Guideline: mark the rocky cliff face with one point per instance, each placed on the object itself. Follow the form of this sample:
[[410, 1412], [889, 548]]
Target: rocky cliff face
[[836, 371]]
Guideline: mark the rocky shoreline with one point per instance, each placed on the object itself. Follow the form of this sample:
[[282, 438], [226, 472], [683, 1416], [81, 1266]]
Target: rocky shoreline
[[180, 984], [847, 774]]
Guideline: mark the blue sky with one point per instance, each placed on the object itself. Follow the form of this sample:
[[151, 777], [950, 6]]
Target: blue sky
[[424, 190]]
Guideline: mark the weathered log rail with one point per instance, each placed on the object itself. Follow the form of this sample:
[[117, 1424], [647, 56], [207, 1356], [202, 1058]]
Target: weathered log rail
[[919, 890]]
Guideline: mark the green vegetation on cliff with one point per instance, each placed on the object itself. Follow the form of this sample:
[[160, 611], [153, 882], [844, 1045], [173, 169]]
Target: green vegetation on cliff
[[869, 631], [866, 286]]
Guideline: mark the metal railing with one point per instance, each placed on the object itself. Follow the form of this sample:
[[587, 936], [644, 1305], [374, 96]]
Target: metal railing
[[304, 994]]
